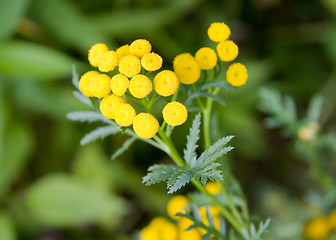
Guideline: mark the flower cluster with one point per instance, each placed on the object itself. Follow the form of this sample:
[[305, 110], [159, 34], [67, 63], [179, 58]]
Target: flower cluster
[[129, 66], [320, 228], [174, 229]]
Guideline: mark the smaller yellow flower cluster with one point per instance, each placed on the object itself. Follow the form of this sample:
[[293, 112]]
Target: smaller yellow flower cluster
[[320, 228], [161, 228], [129, 61]]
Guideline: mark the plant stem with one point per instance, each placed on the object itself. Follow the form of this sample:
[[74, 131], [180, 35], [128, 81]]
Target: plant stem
[[206, 119]]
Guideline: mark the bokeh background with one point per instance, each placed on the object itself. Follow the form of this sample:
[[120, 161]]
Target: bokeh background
[[51, 188]]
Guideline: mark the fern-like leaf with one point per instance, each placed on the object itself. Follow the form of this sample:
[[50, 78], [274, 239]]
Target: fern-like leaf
[[158, 173], [88, 116], [123, 148], [99, 133], [192, 139]]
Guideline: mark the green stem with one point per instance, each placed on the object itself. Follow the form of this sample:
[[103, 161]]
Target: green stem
[[206, 119]]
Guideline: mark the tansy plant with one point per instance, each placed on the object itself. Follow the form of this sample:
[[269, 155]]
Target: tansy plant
[[125, 94]]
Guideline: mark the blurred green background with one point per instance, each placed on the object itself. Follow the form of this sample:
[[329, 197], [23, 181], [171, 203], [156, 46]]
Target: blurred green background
[[51, 188]]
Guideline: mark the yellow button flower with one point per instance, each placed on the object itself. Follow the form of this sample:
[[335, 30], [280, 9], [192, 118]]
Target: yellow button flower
[[175, 113], [177, 204], [236, 74], [108, 61], [186, 68], [227, 51], [183, 224], [140, 47], [124, 115], [218, 32], [213, 187], [317, 229], [206, 58], [123, 51], [165, 83], [100, 86], [332, 220], [151, 61], [215, 212], [109, 104], [159, 229], [119, 84], [140, 86], [95, 53], [145, 125], [130, 66], [85, 82]]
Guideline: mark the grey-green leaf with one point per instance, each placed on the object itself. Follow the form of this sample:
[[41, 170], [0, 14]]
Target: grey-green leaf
[[99, 133], [158, 173], [123, 148], [192, 138], [87, 116]]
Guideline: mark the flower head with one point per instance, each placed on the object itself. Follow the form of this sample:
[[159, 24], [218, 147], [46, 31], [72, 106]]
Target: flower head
[[85, 82], [317, 229], [123, 51], [236, 74], [95, 53], [175, 113], [109, 104], [140, 86], [183, 224], [100, 86], [119, 84], [213, 187], [159, 229], [206, 58], [332, 220], [108, 61], [177, 204], [151, 61], [145, 125], [130, 65], [124, 115], [140, 47], [165, 83], [227, 51], [218, 32], [186, 68]]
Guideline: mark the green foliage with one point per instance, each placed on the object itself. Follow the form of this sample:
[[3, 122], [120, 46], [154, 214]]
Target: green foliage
[[100, 133], [87, 116], [7, 229], [123, 148], [254, 233], [202, 168]]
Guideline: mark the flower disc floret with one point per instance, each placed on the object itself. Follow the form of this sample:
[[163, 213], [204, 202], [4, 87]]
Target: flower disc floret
[[95, 52], [130, 65], [236, 74], [124, 115], [109, 105], [317, 229], [186, 68], [140, 47], [151, 61], [85, 82], [175, 113], [177, 204], [100, 86], [166, 83], [108, 61], [140, 86], [145, 125], [123, 51], [227, 51], [218, 32], [119, 84], [206, 58]]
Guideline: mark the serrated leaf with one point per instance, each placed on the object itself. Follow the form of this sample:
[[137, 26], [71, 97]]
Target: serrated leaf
[[82, 98], [75, 78], [88, 116], [204, 94], [158, 173], [99, 133], [209, 217], [123, 148], [217, 84], [176, 182], [192, 139], [314, 109]]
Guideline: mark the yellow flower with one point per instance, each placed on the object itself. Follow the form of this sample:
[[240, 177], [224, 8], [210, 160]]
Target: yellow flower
[[175, 113], [140, 86], [165, 83], [151, 61], [100, 86], [130, 65], [236, 74], [140, 47], [332, 220], [206, 58], [227, 51], [308, 133], [124, 115], [186, 68], [123, 51], [95, 53], [218, 32], [183, 224], [145, 125], [159, 229], [108, 61], [119, 84], [85, 82], [213, 187], [215, 212], [109, 104], [317, 229], [177, 204]]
